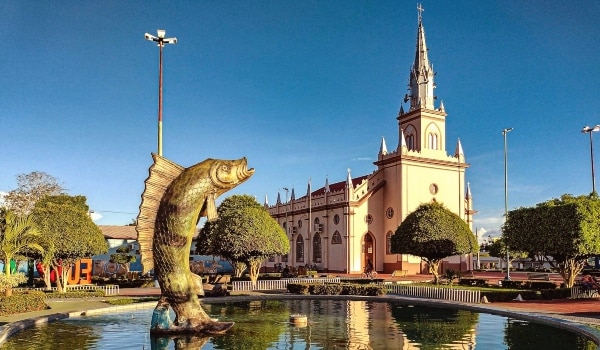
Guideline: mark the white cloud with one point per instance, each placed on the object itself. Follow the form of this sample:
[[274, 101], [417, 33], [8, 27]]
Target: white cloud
[[95, 216]]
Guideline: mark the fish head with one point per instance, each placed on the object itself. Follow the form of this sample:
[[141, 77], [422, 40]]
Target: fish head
[[227, 174]]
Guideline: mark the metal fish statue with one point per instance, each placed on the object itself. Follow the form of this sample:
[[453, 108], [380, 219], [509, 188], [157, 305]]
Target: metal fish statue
[[173, 201]]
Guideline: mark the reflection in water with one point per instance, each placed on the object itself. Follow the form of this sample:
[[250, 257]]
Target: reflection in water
[[332, 324]]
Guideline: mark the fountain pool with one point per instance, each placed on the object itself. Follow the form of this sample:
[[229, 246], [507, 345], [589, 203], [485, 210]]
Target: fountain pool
[[331, 324]]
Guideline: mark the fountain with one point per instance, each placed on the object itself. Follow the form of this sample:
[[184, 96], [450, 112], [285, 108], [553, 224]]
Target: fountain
[[265, 324]]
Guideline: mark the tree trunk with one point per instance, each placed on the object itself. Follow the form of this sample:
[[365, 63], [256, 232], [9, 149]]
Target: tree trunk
[[433, 269], [569, 270], [238, 268], [8, 287], [47, 277], [253, 269]]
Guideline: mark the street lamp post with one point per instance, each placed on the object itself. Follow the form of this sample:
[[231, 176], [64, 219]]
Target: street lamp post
[[161, 41], [588, 130], [504, 132]]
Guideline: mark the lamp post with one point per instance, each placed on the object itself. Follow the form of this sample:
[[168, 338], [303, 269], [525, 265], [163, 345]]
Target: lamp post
[[504, 132], [161, 41], [588, 130]]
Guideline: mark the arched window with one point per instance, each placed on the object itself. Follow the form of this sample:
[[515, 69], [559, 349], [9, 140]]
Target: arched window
[[284, 258], [410, 138], [317, 226], [336, 238], [388, 242], [299, 249], [317, 248], [433, 136], [433, 141], [410, 142]]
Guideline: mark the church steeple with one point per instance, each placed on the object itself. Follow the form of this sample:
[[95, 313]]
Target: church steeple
[[421, 74]]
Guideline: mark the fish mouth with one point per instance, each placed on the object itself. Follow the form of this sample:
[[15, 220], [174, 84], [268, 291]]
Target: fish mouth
[[243, 172]]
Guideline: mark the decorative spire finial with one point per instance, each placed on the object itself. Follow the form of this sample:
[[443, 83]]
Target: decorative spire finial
[[420, 9]]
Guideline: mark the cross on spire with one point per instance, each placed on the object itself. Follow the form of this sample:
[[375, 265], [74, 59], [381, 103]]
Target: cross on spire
[[420, 9]]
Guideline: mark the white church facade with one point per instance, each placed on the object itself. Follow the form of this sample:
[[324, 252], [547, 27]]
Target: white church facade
[[341, 226]]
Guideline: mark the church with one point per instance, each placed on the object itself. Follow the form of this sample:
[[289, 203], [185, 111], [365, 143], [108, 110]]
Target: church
[[343, 226]]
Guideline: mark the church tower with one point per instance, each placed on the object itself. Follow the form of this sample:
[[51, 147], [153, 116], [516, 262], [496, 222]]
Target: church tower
[[424, 126]]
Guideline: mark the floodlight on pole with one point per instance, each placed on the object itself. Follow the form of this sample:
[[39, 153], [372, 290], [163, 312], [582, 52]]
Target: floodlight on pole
[[504, 132], [161, 41], [588, 130]]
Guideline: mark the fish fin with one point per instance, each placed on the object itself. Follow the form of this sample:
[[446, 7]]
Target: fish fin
[[161, 173], [211, 209]]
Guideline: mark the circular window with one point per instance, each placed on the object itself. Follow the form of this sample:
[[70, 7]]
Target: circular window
[[336, 219], [433, 189], [299, 223], [369, 219], [389, 213]]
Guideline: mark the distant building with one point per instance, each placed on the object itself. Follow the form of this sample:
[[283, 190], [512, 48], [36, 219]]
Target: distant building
[[341, 226]]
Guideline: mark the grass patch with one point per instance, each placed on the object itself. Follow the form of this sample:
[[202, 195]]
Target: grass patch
[[127, 301]]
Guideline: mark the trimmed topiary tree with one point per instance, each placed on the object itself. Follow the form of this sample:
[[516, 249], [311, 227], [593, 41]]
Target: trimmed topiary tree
[[244, 232], [564, 232], [433, 233]]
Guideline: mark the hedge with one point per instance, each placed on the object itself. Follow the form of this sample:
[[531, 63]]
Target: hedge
[[336, 289], [22, 302]]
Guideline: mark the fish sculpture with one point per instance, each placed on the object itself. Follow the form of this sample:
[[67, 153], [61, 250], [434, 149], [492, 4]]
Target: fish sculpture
[[173, 201]]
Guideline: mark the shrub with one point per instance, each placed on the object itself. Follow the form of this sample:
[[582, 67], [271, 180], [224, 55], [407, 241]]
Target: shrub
[[478, 282], [298, 288], [336, 289], [9, 281], [22, 302], [75, 294]]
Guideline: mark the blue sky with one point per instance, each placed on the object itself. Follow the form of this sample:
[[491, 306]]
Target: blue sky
[[303, 89]]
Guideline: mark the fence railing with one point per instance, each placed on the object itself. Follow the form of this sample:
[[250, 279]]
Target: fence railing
[[580, 292], [109, 289], [278, 284], [452, 294]]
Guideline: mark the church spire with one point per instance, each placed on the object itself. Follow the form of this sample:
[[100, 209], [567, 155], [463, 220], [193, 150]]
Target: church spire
[[383, 147], [421, 74]]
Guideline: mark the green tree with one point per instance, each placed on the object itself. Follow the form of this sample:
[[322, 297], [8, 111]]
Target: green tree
[[31, 188], [18, 235], [244, 232], [433, 233], [71, 233], [565, 231], [497, 249]]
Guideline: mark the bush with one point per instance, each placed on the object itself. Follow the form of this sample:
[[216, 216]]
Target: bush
[[9, 281], [75, 294], [478, 282], [362, 280], [23, 302], [336, 289], [529, 285], [502, 295]]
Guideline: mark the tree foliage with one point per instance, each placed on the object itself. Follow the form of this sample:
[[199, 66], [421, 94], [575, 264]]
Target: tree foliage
[[565, 231], [497, 249], [72, 235], [243, 232], [18, 235], [433, 233], [31, 188]]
